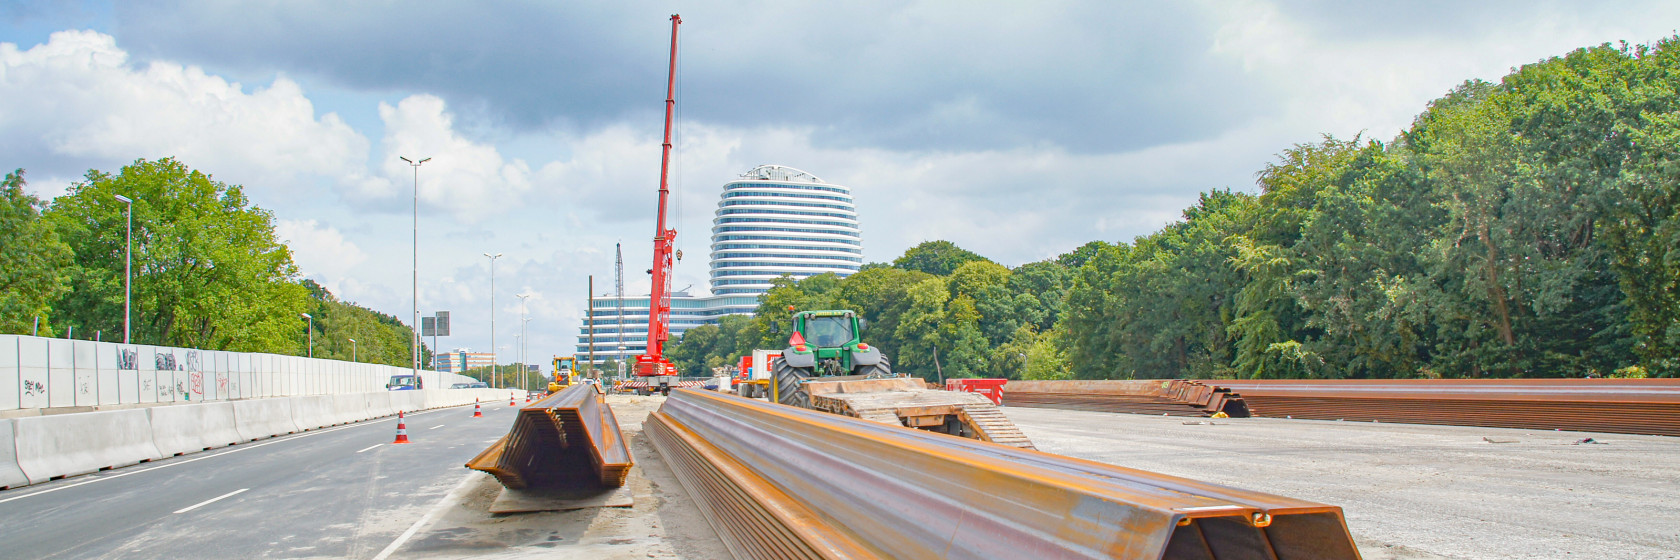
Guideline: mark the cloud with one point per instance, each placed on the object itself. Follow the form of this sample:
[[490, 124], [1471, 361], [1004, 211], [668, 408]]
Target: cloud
[[321, 252], [469, 179], [76, 102]]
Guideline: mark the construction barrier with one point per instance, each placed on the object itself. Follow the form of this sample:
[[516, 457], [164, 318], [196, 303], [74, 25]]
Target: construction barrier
[[43, 373], [189, 428], [11, 475], [35, 449], [784, 482], [989, 388], [72, 444], [259, 418]]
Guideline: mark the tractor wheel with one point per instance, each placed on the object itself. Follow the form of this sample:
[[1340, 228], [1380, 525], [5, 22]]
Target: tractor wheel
[[790, 385], [879, 370]]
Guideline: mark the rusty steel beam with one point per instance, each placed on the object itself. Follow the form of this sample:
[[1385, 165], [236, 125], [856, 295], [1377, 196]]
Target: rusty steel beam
[[784, 482], [1629, 406], [1175, 397], [570, 438]]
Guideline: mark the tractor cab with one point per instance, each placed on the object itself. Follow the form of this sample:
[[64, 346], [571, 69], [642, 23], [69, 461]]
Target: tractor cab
[[827, 343]]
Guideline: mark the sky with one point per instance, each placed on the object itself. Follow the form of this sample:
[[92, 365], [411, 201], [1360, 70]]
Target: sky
[[1018, 130]]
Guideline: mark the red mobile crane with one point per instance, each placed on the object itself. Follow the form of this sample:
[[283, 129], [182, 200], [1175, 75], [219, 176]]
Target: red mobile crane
[[653, 363]]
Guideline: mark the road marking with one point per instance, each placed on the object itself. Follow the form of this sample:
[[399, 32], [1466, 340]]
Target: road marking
[[272, 440], [211, 501], [435, 427], [371, 447], [455, 494]]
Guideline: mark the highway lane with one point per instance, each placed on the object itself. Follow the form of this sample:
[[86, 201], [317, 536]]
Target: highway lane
[[340, 492]]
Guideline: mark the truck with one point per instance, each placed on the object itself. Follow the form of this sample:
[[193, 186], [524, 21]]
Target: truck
[[828, 367], [753, 380]]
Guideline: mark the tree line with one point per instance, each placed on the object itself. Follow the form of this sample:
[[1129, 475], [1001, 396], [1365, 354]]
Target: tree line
[[208, 271], [1525, 228]]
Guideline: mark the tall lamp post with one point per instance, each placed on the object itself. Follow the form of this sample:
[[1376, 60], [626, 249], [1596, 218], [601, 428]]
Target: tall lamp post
[[352, 349], [311, 319], [416, 323], [522, 366], [493, 317], [128, 267]]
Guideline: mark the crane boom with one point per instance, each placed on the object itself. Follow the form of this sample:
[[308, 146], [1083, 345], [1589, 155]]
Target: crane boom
[[653, 362]]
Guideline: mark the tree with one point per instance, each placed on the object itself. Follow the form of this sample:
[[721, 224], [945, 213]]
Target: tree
[[34, 263], [380, 338], [208, 271], [939, 258]]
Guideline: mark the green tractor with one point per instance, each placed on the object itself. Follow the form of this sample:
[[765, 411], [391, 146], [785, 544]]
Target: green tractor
[[824, 344]]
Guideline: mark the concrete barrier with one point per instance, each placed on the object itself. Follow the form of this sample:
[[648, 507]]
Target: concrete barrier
[[312, 412], [189, 428], [407, 401], [260, 418], [72, 444], [11, 476], [349, 408], [379, 404]]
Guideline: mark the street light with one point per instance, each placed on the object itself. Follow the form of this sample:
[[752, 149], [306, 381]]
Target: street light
[[522, 367], [416, 340], [311, 319], [128, 267], [352, 349], [493, 315]]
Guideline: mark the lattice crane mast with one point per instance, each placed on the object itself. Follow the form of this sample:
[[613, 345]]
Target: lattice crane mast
[[653, 362]]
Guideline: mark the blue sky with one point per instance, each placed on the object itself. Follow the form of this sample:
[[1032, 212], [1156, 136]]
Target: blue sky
[[1017, 130]]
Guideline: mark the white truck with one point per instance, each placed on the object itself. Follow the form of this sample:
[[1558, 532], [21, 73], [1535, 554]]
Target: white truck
[[754, 379]]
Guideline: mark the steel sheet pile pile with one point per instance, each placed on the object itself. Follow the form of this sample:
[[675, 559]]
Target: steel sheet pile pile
[[1629, 406], [781, 482], [1175, 397], [568, 438]]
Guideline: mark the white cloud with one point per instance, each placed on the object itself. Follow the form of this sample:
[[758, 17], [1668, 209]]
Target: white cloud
[[76, 102], [321, 252], [470, 180]]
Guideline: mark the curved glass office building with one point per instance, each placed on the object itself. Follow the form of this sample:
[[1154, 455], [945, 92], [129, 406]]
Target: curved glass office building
[[779, 220]]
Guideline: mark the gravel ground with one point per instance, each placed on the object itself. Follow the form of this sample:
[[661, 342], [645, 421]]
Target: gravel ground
[[1412, 491]]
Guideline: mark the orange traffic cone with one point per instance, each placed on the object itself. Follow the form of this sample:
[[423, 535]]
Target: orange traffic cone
[[510, 400], [476, 412], [402, 429]]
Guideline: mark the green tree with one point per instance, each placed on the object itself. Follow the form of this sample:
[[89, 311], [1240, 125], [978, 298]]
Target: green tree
[[208, 271], [939, 258], [34, 263]]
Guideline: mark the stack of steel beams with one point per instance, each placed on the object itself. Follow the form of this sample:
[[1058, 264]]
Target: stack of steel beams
[[783, 482], [1628, 406], [569, 438], [1175, 397]]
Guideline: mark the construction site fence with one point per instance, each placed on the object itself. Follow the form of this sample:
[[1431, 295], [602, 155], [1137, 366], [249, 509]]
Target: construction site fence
[[43, 373], [36, 449]]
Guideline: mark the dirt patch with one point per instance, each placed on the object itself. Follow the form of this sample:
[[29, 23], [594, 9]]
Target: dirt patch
[[663, 524]]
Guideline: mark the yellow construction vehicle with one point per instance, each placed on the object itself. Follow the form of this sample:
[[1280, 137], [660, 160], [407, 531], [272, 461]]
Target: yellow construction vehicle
[[565, 373]]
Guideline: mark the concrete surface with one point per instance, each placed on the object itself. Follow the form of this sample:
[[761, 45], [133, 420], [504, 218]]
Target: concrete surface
[[663, 524], [1411, 491]]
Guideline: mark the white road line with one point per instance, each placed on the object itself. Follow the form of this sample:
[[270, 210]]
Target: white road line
[[452, 496], [274, 440], [371, 447], [435, 427], [211, 501]]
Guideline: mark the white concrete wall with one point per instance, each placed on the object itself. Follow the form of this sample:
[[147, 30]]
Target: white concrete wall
[[38, 372]]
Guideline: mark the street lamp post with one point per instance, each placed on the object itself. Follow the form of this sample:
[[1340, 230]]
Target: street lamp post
[[128, 267], [522, 364], [311, 319], [493, 316], [353, 350], [416, 340]]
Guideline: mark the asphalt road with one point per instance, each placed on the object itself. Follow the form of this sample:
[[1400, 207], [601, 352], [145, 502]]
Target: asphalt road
[[340, 492]]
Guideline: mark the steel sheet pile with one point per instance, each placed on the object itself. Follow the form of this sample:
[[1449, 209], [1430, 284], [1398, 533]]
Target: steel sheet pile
[[1175, 397], [1629, 406], [566, 439], [783, 482]]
